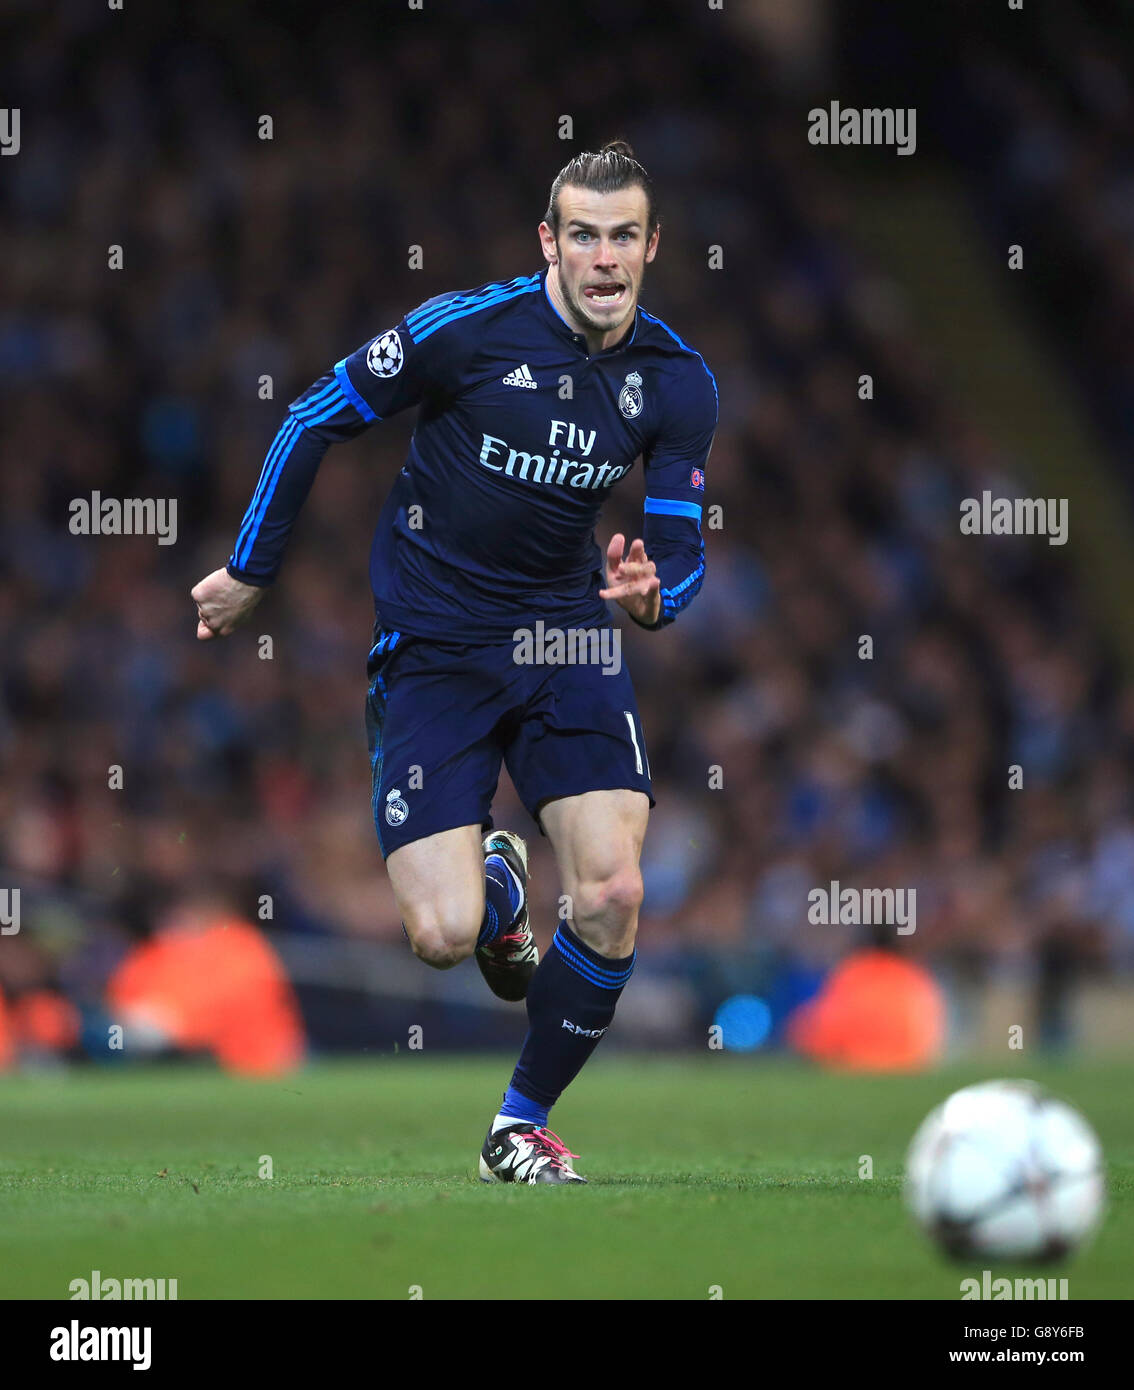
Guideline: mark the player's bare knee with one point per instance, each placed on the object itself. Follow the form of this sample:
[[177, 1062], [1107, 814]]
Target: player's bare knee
[[610, 903], [437, 950], [442, 947]]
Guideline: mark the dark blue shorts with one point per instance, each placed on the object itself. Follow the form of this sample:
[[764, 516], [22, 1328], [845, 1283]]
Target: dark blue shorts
[[441, 717]]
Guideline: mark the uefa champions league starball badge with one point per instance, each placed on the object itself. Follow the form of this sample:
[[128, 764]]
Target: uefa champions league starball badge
[[396, 808], [385, 356], [630, 397]]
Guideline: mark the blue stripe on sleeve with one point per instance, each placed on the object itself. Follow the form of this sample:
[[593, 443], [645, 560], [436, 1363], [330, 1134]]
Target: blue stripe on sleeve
[[419, 320], [662, 506], [351, 394], [338, 402], [674, 600], [284, 441], [266, 501], [476, 308], [311, 404]]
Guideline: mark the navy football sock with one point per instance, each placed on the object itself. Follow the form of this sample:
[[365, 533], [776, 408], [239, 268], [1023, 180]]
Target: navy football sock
[[501, 899], [571, 1002]]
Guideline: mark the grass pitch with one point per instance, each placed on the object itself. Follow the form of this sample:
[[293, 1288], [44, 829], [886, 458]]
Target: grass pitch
[[722, 1171]]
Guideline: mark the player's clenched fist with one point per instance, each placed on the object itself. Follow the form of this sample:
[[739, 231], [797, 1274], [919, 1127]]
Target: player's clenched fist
[[223, 603], [633, 580]]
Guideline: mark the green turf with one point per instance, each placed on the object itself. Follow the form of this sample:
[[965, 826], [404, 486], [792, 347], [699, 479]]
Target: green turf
[[720, 1171]]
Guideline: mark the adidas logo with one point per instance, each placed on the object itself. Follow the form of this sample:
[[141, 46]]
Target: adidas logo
[[521, 377]]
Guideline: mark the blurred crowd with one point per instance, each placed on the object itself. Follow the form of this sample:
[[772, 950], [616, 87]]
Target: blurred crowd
[[1045, 132], [876, 763]]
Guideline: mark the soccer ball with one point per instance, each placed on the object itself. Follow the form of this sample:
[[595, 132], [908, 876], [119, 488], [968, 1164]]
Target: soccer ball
[[1005, 1171]]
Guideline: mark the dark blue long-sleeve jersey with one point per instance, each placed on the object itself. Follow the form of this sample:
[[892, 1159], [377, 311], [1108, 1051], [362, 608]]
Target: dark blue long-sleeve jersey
[[521, 434]]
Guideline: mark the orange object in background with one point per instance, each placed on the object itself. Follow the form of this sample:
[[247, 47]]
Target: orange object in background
[[7, 1043], [875, 1012], [211, 982], [45, 1019]]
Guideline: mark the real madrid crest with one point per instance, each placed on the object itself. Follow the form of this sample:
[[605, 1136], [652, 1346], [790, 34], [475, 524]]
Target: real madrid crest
[[630, 400], [396, 808]]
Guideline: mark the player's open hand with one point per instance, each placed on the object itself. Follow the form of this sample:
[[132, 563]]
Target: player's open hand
[[632, 579], [223, 603]]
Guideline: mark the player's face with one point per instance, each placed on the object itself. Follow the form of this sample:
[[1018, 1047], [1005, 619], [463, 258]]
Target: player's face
[[600, 255]]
